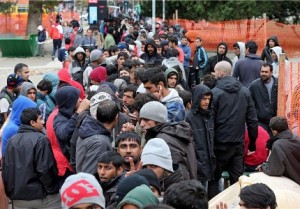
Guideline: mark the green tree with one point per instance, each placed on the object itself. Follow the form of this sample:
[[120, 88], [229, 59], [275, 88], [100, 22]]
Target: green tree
[[281, 11]]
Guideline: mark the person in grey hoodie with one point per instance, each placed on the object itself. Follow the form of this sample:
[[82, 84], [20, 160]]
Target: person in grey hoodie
[[28, 90], [239, 51]]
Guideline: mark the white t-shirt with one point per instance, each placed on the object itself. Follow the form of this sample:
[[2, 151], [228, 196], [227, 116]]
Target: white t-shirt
[[4, 105]]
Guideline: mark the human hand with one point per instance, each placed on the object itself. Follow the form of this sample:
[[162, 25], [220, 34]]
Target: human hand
[[84, 105], [133, 169], [127, 127], [221, 205]]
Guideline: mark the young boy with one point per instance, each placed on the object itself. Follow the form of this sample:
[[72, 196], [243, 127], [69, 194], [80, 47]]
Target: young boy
[[109, 170]]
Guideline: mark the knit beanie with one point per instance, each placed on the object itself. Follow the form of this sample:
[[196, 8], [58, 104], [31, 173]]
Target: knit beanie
[[140, 196], [95, 100], [95, 55], [155, 111], [151, 178], [81, 188], [157, 152], [129, 183], [98, 74], [13, 81]]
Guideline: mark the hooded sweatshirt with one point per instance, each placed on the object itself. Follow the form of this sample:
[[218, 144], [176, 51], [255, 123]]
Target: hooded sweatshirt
[[94, 139], [175, 107], [212, 61], [50, 98], [278, 50], [140, 196], [25, 87], [266, 55], [242, 53], [233, 107], [202, 124], [76, 68], [154, 58], [65, 121], [14, 123]]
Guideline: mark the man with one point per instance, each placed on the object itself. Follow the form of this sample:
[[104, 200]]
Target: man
[[221, 56], [138, 197], [233, 107], [8, 95], [199, 63], [94, 136], [201, 120], [109, 39], [248, 69], [128, 145], [78, 65], [150, 56], [266, 54], [88, 41], [155, 83], [187, 55], [29, 170], [96, 58], [22, 70], [81, 191], [14, 122], [178, 136], [29, 90], [109, 170], [156, 156], [128, 98], [186, 194], [264, 92], [173, 43], [61, 125], [285, 157], [275, 54], [56, 33], [172, 77], [239, 51], [250, 199]]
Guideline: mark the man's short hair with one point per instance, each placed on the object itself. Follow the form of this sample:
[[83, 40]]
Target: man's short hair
[[189, 194], [154, 75], [279, 124], [186, 96], [258, 195], [268, 65], [252, 46], [111, 156], [173, 39], [19, 67], [45, 85], [131, 88], [123, 54], [209, 80], [174, 52], [128, 135], [107, 111], [142, 99], [30, 114]]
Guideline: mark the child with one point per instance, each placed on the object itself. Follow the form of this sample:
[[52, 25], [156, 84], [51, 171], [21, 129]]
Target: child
[[41, 40]]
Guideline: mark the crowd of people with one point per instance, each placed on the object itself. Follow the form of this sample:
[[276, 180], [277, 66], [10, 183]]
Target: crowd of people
[[141, 119]]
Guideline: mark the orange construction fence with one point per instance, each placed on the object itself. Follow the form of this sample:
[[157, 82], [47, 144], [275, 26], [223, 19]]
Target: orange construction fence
[[16, 23], [289, 93]]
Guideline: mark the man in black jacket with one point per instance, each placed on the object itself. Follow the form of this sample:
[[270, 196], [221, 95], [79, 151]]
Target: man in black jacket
[[150, 56], [221, 55], [201, 120], [233, 108], [264, 92], [29, 170]]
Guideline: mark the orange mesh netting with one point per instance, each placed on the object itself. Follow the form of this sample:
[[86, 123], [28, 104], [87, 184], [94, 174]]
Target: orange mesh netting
[[16, 23]]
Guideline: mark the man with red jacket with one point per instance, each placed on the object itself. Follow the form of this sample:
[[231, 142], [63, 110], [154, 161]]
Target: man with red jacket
[[56, 33]]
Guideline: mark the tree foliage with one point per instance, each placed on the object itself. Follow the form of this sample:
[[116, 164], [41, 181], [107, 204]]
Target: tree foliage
[[281, 11]]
